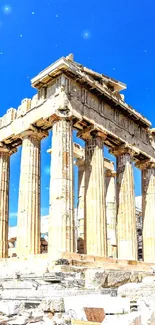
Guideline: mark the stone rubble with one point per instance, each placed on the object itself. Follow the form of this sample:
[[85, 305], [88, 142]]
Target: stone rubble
[[55, 298], [132, 319], [136, 290], [100, 278]]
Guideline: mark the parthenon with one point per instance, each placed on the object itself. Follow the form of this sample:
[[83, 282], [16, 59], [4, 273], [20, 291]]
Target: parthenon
[[72, 97]]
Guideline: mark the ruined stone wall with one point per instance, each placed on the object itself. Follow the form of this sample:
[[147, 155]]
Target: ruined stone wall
[[73, 97]]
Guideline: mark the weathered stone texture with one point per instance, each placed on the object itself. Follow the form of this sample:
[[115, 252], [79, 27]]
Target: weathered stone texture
[[79, 98], [100, 278], [4, 201], [111, 212], [146, 307], [135, 291], [148, 211], [95, 241], [52, 304], [111, 305], [81, 205], [61, 223], [28, 238], [111, 120], [10, 308], [126, 214]]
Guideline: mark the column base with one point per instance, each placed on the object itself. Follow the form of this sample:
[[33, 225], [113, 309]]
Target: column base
[[67, 262]]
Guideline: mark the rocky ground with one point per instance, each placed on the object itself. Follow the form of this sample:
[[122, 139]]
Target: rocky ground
[[127, 297]]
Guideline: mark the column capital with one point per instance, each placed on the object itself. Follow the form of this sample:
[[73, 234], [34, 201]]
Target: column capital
[[110, 173], [123, 149], [34, 132], [91, 132], [56, 118], [7, 148], [145, 164], [80, 162]]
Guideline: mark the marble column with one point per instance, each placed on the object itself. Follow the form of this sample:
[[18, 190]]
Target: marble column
[[28, 228], [126, 212], [148, 211], [4, 199], [61, 219], [81, 204], [95, 221], [111, 212]]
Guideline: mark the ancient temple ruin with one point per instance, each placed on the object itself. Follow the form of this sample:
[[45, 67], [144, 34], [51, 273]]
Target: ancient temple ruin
[[71, 96]]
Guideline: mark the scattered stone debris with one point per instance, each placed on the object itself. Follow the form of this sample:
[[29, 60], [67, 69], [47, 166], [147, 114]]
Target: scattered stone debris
[[61, 298], [62, 261]]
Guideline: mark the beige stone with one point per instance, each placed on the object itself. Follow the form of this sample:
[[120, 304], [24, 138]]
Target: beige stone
[[111, 212], [81, 205], [5, 153], [71, 96], [126, 213], [148, 211], [28, 234], [95, 221], [61, 219]]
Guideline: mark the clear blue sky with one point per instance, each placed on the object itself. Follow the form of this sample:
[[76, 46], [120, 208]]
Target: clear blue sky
[[113, 37]]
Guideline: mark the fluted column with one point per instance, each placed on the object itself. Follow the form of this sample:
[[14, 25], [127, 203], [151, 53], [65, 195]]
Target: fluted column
[[126, 212], [81, 204], [4, 199], [148, 210], [28, 230], [95, 221], [61, 219], [111, 212]]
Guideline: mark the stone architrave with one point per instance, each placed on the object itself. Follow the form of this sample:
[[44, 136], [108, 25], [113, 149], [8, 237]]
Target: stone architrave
[[61, 218], [148, 209], [81, 204], [111, 212], [5, 153], [95, 216], [126, 212], [28, 228]]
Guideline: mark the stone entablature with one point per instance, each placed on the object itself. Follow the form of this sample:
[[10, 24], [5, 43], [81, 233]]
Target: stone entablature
[[78, 89]]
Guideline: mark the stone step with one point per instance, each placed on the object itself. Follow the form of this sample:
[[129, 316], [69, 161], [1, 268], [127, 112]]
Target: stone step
[[18, 284], [78, 266], [39, 295], [111, 266], [48, 277], [40, 264]]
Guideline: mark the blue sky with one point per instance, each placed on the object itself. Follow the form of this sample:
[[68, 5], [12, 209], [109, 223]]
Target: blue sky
[[112, 37]]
